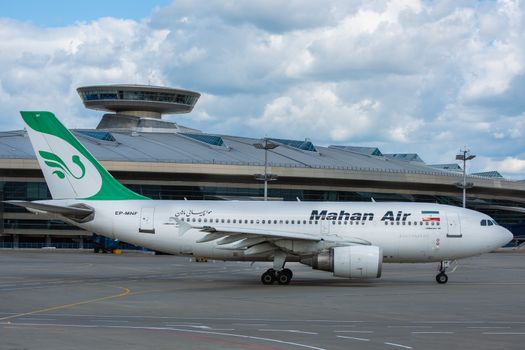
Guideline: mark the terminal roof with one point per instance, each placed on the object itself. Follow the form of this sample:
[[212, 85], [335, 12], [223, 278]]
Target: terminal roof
[[195, 148]]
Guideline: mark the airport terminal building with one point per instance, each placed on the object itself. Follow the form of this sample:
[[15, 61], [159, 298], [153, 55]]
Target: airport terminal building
[[165, 160]]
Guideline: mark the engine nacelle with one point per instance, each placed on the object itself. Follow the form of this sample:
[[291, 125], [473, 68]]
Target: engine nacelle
[[350, 261]]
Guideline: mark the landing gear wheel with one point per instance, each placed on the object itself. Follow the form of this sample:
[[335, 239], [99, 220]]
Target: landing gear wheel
[[268, 277], [441, 278], [284, 276], [444, 265]]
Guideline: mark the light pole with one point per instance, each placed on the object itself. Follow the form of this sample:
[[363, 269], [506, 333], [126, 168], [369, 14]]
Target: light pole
[[465, 155], [265, 144]]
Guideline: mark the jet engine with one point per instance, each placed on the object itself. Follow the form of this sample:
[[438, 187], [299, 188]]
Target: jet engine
[[350, 261]]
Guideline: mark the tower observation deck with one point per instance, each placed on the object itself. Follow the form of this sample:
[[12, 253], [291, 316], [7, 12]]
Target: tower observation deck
[[129, 103]]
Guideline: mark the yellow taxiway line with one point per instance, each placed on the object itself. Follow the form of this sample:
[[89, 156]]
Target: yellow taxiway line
[[125, 292]]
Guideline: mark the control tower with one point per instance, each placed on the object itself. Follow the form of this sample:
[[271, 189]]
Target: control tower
[[137, 106]]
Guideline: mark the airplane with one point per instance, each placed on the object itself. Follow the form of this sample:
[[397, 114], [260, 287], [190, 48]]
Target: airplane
[[349, 239]]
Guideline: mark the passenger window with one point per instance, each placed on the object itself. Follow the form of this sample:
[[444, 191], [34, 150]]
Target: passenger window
[[228, 221], [264, 221], [234, 221], [292, 222]]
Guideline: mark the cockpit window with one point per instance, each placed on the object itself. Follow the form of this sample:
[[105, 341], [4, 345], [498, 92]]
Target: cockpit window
[[490, 222]]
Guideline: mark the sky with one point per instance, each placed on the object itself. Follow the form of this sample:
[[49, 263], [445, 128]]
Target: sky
[[405, 76]]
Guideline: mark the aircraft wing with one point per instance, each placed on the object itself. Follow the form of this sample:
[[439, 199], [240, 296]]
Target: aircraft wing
[[228, 231], [248, 237], [78, 213]]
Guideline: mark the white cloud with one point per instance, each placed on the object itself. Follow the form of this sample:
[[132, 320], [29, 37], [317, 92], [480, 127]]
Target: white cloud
[[510, 165], [408, 76], [302, 110], [193, 55]]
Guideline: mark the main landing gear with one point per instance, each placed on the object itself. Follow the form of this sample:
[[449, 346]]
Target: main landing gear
[[282, 277], [278, 273], [442, 277]]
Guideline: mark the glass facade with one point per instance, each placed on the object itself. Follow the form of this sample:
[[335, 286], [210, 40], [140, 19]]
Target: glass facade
[[302, 145], [153, 96], [206, 138], [99, 135]]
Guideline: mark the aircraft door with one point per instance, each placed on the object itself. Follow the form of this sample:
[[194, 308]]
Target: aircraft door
[[453, 226], [147, 223], [325, 227]]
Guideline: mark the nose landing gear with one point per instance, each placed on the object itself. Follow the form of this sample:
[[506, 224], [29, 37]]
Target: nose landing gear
[[442, 277]]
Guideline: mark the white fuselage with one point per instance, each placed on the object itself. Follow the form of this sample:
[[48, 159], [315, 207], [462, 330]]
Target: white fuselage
[[406, 232]]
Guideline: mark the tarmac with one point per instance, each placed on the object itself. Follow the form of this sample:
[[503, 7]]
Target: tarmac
[[82, 300]]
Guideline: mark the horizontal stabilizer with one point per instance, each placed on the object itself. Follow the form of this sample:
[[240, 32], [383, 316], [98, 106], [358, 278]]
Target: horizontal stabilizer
[[76, 212]]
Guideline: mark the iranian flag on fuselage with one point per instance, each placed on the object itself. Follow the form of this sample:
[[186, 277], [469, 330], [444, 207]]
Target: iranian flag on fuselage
[[430, 215]]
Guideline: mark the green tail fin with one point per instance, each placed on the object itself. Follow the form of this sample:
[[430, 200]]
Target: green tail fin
[[69, 169]]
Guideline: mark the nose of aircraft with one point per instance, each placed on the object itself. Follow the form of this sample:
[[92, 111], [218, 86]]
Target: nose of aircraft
[[504, 237]]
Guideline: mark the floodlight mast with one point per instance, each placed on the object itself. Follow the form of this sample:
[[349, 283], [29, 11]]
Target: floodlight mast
[[465, 155], [265, 144]]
